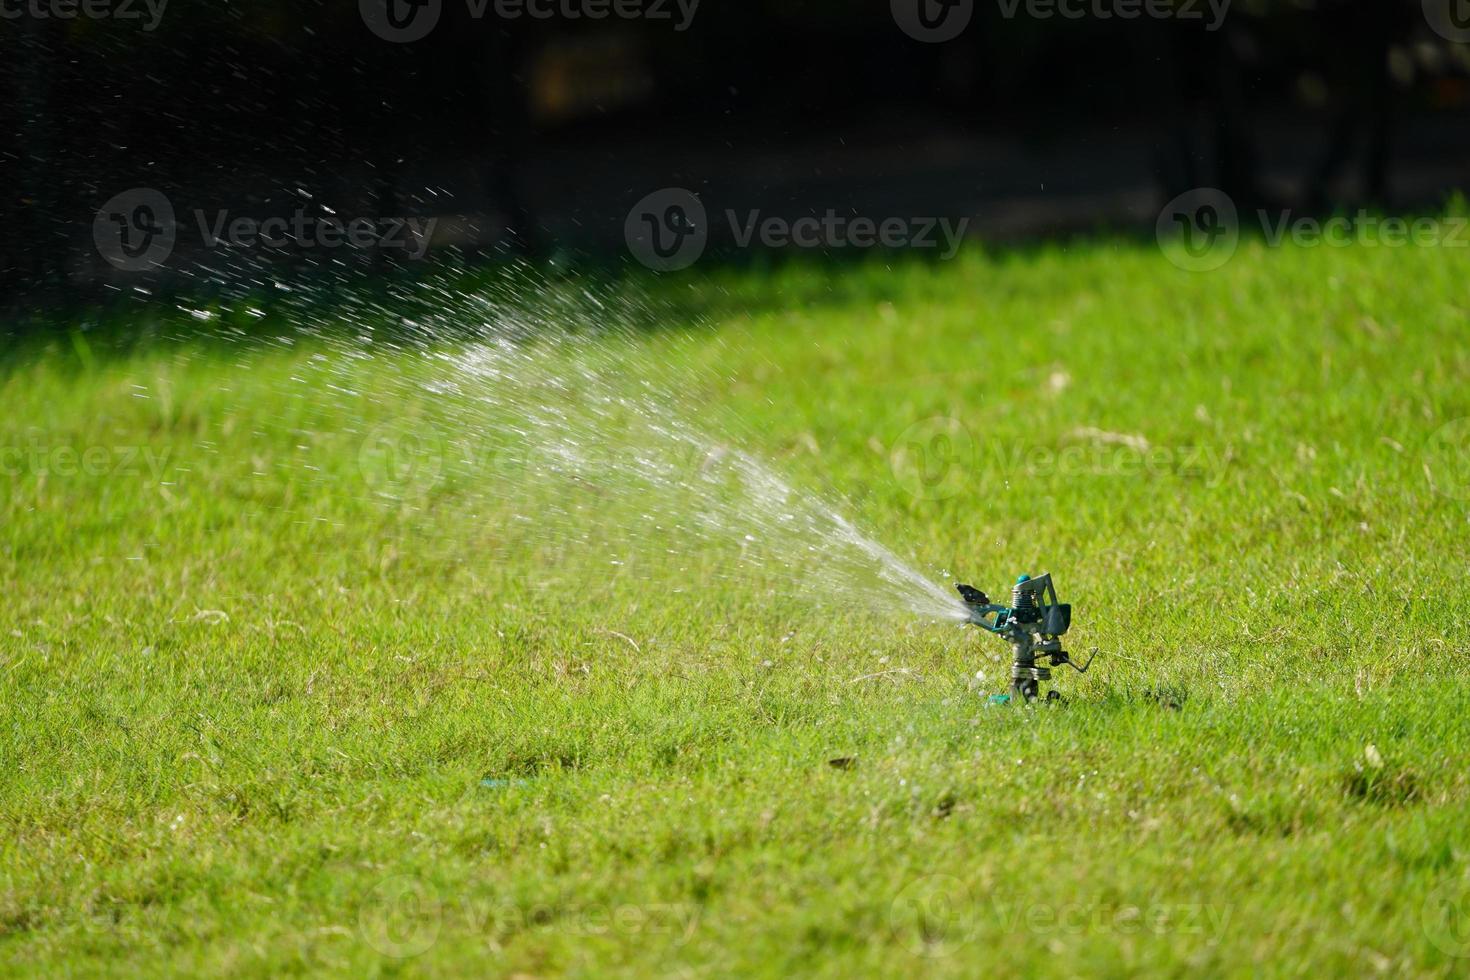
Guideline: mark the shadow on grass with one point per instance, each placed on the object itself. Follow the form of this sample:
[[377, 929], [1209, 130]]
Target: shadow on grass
[[453, 296]]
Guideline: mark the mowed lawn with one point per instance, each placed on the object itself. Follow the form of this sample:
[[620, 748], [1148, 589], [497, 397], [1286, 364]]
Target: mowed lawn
[[260, 716]]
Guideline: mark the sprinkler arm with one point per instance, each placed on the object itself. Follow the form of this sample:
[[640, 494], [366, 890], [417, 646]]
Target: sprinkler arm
[[1073, 664], [980, 607]]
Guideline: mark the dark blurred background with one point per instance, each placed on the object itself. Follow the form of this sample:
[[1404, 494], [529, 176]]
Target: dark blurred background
[[532, 126]]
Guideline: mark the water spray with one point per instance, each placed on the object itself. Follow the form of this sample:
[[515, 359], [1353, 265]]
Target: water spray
[[1033, 624]]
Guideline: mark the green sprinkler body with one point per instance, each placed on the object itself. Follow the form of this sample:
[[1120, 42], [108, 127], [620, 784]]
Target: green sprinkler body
[[1033, 624]]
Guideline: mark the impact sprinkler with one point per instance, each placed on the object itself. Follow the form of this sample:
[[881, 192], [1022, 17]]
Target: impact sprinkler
[[1033, 625]]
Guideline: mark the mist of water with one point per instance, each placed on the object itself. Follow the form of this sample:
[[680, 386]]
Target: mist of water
[[551, 407]]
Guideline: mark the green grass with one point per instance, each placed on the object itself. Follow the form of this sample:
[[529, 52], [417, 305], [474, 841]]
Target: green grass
[[249, 703]]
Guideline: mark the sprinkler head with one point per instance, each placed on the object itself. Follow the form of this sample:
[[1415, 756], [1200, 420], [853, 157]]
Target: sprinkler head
[[1033, 624]]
